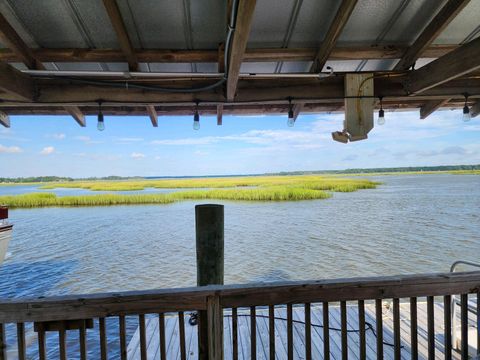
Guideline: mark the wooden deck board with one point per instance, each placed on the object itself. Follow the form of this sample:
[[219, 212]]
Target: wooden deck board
[[281, 346]]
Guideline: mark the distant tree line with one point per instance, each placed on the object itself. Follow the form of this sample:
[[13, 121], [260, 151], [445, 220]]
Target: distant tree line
[[346, 171], [35, 179], [382, 170]]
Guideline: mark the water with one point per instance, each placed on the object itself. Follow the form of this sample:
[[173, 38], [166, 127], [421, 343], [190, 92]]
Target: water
[[410, 224]]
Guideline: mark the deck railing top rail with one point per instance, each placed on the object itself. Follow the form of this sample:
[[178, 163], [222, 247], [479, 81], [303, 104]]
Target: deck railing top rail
[[196, 298]]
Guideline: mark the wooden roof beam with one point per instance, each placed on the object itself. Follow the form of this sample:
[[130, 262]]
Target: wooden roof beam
[[431, 106], [119, 26], [245, 12], [10, 38], [4, 119], [475, 109], [77, 115], [219, 114], [459, 62], [339, 22], [351, 52], [430, 33], [16, 83], [152, 113]]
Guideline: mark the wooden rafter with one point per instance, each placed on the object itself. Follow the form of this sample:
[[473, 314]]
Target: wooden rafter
[[245, 12], [16, 83], [328, 43], [4, 119], [152, 113], [459, 62], [77, 114], [212, 56], [14, 42], [251, 90], [122, 35], [475, 109], [297, 108], [431, 106], [449, 11], [219, 114]]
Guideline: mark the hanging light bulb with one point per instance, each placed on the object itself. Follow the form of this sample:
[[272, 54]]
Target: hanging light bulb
[[466, 110], [100, 122], [291, 118], [196, 119], [381, 113]]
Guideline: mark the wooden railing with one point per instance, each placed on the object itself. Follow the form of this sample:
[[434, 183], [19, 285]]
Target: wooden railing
[[99, 321]]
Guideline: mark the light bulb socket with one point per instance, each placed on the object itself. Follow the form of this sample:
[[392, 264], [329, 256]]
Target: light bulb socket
[[290, 114], [466, 110], [381, 113]]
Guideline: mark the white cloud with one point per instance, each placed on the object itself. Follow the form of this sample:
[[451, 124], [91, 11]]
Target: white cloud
[[47, 150], [59, 136], [127, 139], [10, 149], [83, 138], [136, 155]]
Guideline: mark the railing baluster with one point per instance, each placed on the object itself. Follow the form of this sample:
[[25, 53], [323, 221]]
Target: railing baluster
[[161, 333], [430, 328], [235, 333], [62, 344], [396, 328], [3, 344], [326, 332], [82, 338], [253, 333], [447, 325], [123, 337], [343, 315], [42, 349], [143, 337], [308, 332], [464, 325], [103, 339], [181, 328], [21, 341], [379, 326], [413, 329], [271, 331], [290, 331], [361, 328]]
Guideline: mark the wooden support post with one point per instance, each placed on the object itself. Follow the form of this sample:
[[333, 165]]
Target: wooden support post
[[210, 265]]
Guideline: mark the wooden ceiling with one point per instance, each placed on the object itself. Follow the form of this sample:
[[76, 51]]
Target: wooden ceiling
[[441, 83]]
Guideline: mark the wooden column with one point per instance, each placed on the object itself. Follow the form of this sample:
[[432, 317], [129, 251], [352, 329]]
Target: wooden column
[[210, 265]]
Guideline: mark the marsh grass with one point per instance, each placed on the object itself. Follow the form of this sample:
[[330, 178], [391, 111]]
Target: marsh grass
[[260, 188]]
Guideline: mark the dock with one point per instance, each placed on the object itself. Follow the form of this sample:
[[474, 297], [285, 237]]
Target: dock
[[172, 331]]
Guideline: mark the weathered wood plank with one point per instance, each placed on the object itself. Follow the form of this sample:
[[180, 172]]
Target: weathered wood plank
[[475, 109], [103, 338], [431, 106], [123, 337], [326, 332], [447, 322], [16, 83], [361, 327], [379, 328], [308, 332], [122, 35], [328, 43], [211, 56], [162, 336], [449, 11], [464, 325], [413, 328], [461, 61], [152, 113], [431, 328], [343, 314], [22, 350], [245, 12]]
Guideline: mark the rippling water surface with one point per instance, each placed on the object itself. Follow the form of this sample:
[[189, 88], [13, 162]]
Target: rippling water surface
[[410, 224]]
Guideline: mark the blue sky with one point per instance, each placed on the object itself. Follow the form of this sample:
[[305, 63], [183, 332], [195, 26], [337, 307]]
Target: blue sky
[[56, 145]]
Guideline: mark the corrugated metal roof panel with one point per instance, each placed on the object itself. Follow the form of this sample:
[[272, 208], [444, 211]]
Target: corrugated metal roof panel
[[466, 26]]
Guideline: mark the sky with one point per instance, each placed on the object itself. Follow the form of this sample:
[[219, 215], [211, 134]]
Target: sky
[[130, 146]]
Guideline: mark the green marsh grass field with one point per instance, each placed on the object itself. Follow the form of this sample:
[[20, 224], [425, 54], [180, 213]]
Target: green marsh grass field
[[253, 188]]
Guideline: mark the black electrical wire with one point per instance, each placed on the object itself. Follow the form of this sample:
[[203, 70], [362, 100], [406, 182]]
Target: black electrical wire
[[368, 326]]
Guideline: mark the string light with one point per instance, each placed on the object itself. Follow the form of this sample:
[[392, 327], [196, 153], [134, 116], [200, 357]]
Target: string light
[[381, 113], [100, 120], [196, 119], [291, 117]]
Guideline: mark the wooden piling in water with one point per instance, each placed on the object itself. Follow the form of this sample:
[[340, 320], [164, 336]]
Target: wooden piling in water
[[209, 226]]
